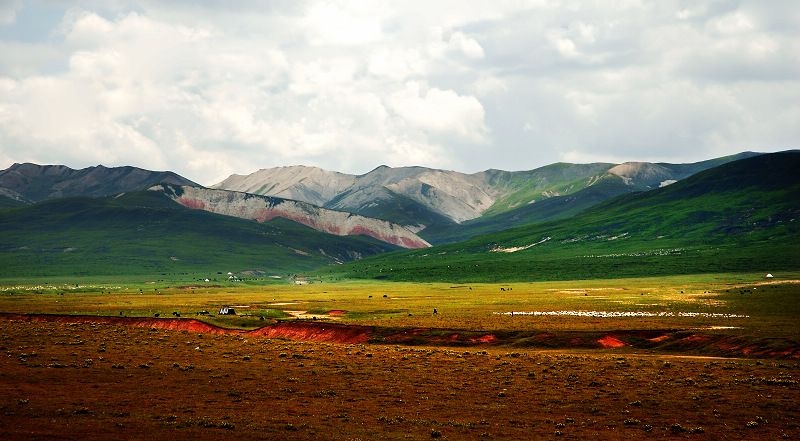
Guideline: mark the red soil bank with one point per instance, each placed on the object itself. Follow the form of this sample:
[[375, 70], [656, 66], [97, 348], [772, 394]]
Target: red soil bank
[[322, 332], [666, 341], [611, 342], [141, 322]]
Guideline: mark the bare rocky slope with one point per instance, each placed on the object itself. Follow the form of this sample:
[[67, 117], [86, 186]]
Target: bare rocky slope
[[417, 197], [455, 195], [262, 208], [30, 183]]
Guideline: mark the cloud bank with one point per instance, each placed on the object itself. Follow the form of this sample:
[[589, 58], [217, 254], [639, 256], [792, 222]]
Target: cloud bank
[[207, 89]]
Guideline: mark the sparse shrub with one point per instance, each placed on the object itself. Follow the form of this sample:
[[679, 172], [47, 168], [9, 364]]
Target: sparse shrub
[[206, 422], [676, 428], [436, 434]]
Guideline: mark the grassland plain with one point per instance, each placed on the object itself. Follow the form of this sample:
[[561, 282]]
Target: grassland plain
[[95, 380], [98, 381]]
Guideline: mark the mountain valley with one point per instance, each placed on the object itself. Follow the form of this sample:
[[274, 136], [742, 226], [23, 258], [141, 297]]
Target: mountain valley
[[523, 225]]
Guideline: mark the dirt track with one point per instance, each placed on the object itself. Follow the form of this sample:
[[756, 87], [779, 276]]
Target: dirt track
[[667, 341]]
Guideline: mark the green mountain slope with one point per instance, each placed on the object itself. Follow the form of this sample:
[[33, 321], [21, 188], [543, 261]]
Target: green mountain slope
[[401, 210], [29, 183], [570, 189], [145, 233], [524, 187], [553, 208], [740, 216]]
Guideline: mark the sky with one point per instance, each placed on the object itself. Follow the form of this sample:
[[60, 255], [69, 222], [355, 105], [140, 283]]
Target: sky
[[207, 89]]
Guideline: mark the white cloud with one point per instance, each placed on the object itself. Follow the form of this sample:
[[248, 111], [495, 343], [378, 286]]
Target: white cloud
[[397, 64], [206, 89], [466, 45], [329, 24], [8, 11], [440, 111]]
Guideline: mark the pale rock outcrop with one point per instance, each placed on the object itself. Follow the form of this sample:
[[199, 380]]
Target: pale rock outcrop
[[262, 208], [641, 172]]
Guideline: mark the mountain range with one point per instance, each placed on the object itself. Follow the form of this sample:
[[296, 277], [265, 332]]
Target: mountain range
[[28, 183], [445, 206], [51, 207], [742, 216]]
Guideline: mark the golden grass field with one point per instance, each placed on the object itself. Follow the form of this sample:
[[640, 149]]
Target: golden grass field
[[93, 380]]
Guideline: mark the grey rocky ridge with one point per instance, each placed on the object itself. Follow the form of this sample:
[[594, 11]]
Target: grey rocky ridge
[[418, 197], [263, 208]]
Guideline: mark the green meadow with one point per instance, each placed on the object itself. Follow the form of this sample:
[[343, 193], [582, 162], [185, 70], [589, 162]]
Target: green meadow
[[99, 380], [738, 304]]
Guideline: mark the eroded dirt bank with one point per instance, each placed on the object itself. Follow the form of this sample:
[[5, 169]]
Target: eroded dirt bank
[[662, 341], [296, 330]]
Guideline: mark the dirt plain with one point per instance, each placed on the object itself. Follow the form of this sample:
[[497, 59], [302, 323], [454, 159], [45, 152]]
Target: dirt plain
[[92, 380]]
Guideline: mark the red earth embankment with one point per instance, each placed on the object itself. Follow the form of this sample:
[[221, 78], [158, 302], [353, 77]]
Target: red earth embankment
[[314, 331], [143, 322], [297, 330], [663, 341]]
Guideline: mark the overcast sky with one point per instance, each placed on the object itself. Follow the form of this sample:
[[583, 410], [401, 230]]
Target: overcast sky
[[207, 88]]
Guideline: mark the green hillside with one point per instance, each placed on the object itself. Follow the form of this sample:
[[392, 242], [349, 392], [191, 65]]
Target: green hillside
[[399, 209], [523, 187], [145, 233], [553, 208], [737, 217], [578, 186]]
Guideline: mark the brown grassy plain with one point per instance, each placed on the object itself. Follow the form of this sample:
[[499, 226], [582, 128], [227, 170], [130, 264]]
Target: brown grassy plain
[[92, 380], [101, 381]]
